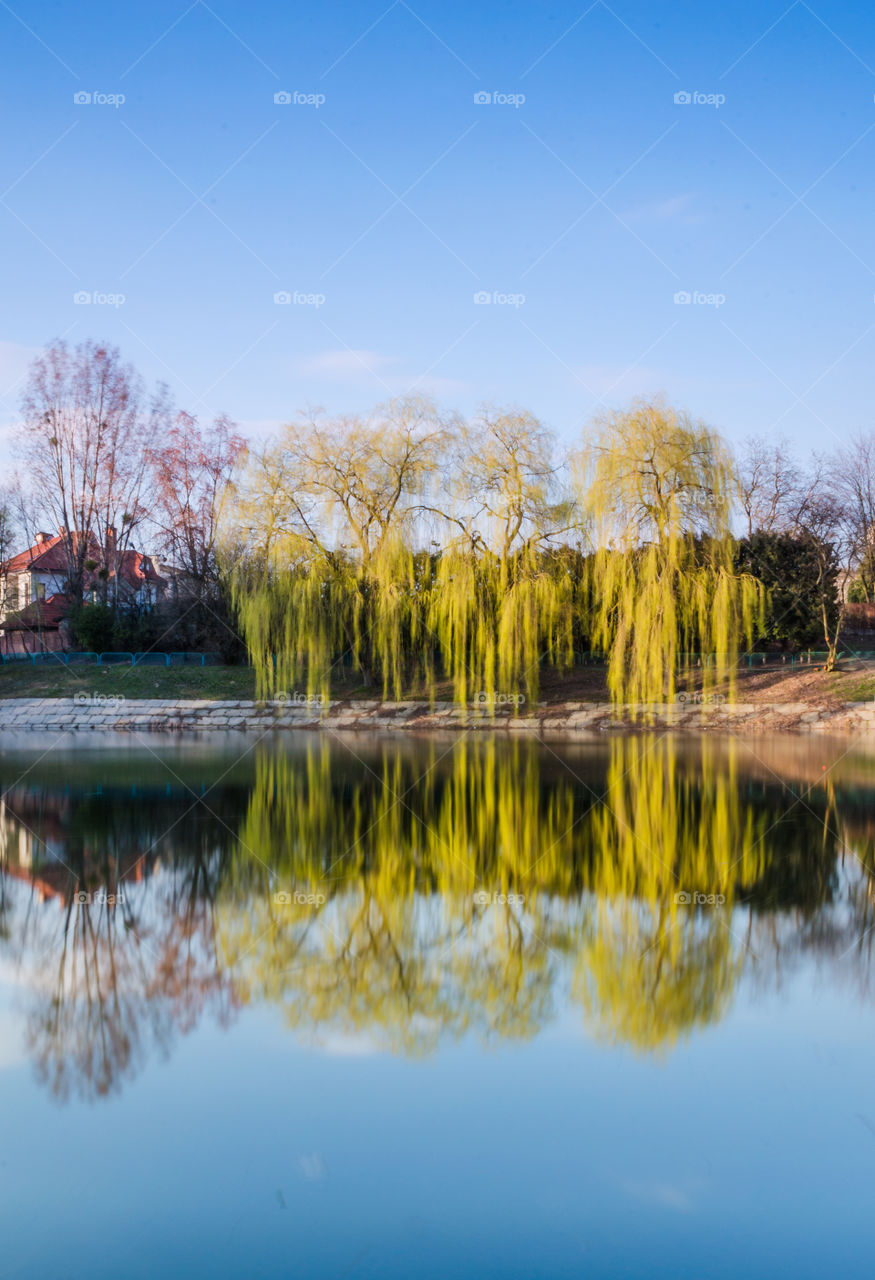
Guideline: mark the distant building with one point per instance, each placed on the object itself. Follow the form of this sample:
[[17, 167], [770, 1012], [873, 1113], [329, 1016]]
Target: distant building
[[34, 599]]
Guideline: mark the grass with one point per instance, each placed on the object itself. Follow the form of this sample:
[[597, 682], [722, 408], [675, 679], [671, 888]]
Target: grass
[[21, 680], [853, 682], [853, 688]]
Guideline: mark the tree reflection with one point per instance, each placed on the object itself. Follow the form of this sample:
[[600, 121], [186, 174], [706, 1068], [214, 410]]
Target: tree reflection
[[119, 960], [401, 853], [607, 885], [409, 893]]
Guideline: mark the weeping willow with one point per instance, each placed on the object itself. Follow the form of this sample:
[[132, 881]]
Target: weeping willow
[[303, 616], [658, 964], [338, 572], [404, 850], [400, 948], [497, 618], [663, 595], [412, 552], [486, 621]]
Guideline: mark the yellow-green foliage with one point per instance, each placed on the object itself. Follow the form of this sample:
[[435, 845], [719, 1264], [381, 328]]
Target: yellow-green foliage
[[665, 833], [401, 848], [339, 515], [658, 490], [336, 567], [496, 619]]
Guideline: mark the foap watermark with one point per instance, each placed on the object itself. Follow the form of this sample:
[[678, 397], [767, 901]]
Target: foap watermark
[[693, 98], [110, 701], [295, 98], [297, 699], [84, 899], [96, 299], [684, 899], [484, 99], [298, 299], [697, 698], [683, 298], [82, 99], [483, 298], [297, 898], [486, 699], [484, 899]]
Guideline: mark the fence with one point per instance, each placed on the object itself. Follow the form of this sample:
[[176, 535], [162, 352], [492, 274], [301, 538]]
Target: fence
[[803, 658], [180, 658], [151, 658]]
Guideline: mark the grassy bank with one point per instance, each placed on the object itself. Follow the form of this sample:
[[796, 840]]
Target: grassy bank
[[20, 680], [855, 682]]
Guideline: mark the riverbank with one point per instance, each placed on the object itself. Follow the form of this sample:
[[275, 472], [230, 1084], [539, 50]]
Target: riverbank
[[773, 682], [100, 713], [799, 698]]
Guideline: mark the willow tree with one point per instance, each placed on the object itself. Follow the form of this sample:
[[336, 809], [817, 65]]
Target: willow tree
[[659, 488], [398, 944], [502, 599], [671, 829], [331, 568]]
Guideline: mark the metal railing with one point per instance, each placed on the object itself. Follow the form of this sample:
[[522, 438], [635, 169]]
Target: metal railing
[[770, 658], [115, 658]]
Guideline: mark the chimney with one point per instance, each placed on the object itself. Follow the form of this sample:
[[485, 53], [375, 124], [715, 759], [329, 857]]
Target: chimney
[[42, 538], [110, 537]]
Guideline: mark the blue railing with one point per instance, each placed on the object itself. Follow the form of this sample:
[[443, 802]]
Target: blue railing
[[115, 658], [771, 658]]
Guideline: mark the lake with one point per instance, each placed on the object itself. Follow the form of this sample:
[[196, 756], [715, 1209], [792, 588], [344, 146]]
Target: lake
[[362, 1006]]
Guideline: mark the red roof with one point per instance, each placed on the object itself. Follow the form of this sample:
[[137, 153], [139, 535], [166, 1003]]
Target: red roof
[[136, 568], [50, 556], [45, 615]]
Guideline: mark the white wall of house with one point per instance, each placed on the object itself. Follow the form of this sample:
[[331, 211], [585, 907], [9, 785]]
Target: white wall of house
[[52, 582], [29, 585], [22, 588]]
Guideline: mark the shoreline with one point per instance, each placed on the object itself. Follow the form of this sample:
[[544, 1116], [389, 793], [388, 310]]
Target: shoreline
[[197, 715]]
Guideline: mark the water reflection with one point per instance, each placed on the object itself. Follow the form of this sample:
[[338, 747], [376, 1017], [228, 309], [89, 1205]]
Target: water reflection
[[402, 893]]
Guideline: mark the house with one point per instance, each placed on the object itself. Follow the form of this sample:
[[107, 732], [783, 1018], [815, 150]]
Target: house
[[34, 600]]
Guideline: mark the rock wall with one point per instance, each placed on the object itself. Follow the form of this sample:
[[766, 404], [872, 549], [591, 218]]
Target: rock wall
[[102, 712]]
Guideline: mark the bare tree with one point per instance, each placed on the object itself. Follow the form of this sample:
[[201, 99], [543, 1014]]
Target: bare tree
[[193, 469], [852, 479], [8, 536], [829, 532], [774, 491], [83, 442]]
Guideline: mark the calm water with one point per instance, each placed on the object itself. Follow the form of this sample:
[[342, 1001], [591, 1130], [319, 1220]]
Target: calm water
[[357, 1007]]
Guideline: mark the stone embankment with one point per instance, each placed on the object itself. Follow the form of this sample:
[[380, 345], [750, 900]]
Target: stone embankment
[[102, 712]]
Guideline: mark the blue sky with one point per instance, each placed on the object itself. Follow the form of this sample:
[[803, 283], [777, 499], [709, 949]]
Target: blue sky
[[399, 198]]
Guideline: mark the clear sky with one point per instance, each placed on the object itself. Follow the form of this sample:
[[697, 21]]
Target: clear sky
[[400, 197]]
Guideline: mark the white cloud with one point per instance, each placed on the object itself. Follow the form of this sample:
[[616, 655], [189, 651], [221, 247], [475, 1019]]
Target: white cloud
[[341, 1044], [12, 1052], [345, 363], [661, 1193], [14, 360], [675, 209], [259, 428]]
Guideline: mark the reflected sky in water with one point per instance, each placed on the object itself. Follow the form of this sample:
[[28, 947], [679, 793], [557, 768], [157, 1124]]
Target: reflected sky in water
[[359, 1006]]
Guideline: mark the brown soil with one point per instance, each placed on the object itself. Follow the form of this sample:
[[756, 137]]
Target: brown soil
[[768, 683]]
